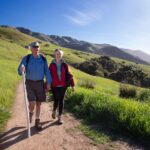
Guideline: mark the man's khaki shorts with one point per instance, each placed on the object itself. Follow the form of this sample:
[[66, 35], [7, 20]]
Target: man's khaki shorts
[[35, 90]]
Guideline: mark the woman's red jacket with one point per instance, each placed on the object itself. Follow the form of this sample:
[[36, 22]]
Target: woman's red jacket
[[55, 79]]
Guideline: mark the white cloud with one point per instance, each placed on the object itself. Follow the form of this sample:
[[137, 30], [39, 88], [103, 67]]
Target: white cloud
[[83, 18]]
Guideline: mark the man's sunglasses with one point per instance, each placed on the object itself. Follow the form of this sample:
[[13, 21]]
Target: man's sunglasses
[[35, 46]]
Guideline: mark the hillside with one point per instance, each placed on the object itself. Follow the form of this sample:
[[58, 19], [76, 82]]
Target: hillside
[[106, 67], [101, 49], [139, 54], [108, 113]]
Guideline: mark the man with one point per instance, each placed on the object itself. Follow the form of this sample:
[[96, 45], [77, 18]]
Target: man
[[35, 68]]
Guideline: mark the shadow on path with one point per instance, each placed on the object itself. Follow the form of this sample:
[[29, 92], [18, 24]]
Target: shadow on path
[[14, 135]]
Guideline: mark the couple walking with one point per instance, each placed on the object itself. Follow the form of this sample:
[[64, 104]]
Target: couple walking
[[57, 76]]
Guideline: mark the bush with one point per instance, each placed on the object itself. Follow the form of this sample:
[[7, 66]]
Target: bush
[[86, 84], [46, 45], [144, 95], [127, 91]]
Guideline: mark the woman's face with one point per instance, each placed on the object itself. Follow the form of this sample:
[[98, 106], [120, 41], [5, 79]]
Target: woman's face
[[57, 55]]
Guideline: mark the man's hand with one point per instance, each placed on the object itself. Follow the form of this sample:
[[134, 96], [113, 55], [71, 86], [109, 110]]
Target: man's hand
[[22, 68], [48, 87]]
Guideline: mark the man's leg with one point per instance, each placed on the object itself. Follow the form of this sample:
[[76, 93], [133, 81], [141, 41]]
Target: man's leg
[[38, 109], [37, 120], [31, 109], [40, 97], [31, 106], [31, 98]]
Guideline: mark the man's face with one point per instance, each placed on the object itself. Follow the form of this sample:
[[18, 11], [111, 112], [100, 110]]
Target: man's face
[[35, 49]]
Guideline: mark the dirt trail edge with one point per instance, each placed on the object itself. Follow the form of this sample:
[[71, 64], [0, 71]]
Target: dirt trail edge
[[52, 137]]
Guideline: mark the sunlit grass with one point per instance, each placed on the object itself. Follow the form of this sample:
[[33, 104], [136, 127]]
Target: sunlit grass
[[10, 55]]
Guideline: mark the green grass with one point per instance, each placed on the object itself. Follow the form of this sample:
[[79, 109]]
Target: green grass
[[10, 56], [123, 115], [96, 135], [14, 36], [100, 84]]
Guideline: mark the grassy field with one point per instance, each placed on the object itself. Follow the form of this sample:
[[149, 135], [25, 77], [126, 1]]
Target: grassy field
[[10, 55], [100, 100], [14, 36]]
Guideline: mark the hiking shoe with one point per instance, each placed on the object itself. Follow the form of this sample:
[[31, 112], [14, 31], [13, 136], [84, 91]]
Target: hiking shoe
[[54, 114], [30, 116], [60, 121], [38, 125]]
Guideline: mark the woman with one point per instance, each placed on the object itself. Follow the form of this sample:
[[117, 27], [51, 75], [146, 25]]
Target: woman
[[59, 72]]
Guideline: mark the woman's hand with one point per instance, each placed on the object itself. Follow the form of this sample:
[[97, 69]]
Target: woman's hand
[[72, 88]]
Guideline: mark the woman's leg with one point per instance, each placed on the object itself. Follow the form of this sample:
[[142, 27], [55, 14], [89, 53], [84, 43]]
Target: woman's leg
[[62, 91], [55, 92], [56, 98]]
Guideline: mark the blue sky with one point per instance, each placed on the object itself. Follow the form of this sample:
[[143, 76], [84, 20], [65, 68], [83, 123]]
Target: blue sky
[[123, 23]]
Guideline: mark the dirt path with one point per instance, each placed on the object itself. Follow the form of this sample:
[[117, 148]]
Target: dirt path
[[52, 137]]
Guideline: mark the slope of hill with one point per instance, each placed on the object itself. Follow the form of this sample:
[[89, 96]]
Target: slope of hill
[[139, 54], [101, 49], [14, 36]]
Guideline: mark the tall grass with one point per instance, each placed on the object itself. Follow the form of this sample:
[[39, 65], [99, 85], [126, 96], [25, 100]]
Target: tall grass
[[10, 55], [119, 114]]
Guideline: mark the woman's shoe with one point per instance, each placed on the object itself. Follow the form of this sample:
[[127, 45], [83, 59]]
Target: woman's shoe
[[54, 114], [60, 121]]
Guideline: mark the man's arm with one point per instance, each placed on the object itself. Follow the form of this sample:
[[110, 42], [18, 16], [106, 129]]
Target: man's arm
[[47, 74], [23, 62]]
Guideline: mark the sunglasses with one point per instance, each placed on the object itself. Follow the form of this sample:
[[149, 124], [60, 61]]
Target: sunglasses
[[35, 46]]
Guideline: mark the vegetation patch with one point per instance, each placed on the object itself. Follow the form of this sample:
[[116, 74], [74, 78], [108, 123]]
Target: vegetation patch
[[118, 114], [104, 66], [10, 55], [127, 91], [96, 135]]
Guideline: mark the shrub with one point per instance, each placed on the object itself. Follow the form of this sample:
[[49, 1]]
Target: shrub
[[86, 84], [144, 95], [46, 45], [127, 91]]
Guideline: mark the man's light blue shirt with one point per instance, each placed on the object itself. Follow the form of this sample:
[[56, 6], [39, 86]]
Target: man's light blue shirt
[[36, 69]]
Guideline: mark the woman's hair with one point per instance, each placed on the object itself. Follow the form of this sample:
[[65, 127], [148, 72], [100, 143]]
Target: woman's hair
[[59, 50]]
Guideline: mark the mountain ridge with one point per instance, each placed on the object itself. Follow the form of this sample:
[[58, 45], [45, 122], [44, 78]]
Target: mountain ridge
[[101, 49]]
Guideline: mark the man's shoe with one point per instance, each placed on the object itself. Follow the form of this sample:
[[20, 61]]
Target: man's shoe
[[60, 121], [30, 116], [54, 114], [38, 125]]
